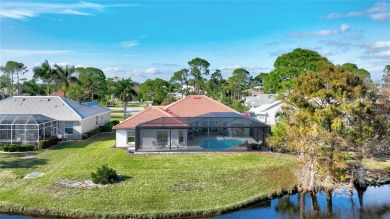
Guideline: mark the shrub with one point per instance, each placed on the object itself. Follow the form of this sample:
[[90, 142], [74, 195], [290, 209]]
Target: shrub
[[115, 122], [17, 148], [48, 142], [104, 175], [92, 133], [107, 127]]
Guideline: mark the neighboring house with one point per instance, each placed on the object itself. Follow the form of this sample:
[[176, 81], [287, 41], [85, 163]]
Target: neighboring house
[[65, 116], [185, 124], [180, 93], [267, 112], [254, 91], [258, 100], [59, 93]]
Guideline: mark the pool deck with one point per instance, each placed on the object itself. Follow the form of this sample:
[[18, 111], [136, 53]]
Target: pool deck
[[194, 144]]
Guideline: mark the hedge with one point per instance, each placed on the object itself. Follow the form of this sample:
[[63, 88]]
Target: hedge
[[17, 147], [48, 142], [105, 128]]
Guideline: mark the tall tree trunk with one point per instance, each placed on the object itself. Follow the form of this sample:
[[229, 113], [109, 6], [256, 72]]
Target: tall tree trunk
[[124, 109], [314, 203], [329, 203], [48, 88], [302, 204], [17, 85]]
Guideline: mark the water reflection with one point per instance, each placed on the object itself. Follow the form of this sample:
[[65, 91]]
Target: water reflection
[[373, 203]]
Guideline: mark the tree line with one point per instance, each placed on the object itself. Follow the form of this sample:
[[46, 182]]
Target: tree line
[[84, 84]]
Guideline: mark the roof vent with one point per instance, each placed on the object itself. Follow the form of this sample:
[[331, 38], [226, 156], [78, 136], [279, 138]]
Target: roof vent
[[19, 99], [44, 99], [197, 98]]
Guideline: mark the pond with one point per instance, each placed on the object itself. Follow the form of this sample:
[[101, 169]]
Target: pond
[[376, 204]]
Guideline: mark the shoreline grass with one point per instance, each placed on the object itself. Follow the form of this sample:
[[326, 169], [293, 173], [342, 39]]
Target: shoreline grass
[[154, 185]]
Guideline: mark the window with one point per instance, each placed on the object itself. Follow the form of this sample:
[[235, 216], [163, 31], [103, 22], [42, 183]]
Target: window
[[69, 128], [97, 120], [131, 135], [162, 138]]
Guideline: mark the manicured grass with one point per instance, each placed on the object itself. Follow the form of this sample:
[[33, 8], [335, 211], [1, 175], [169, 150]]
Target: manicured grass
[[153, 185], [119, 116]]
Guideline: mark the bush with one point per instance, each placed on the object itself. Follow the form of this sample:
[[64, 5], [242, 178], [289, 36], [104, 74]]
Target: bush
[[92, 133], [115, 122], [104, 175], [106, 128], [17, 148], [48, 142]]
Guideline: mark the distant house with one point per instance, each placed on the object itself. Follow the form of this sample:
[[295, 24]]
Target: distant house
[[187, 124], [58, 93], [48, 116], [180, 93], [258, 100], [254, 91], [267, 112]]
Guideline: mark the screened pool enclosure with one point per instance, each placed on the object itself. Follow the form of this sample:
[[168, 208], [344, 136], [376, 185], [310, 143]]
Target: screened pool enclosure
[[26, 128], [213, 131]]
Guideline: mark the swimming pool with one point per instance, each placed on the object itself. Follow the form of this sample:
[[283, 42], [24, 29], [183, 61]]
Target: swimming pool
[[220, 144]]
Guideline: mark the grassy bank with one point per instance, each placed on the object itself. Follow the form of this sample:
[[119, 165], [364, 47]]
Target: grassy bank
[[153, 185]]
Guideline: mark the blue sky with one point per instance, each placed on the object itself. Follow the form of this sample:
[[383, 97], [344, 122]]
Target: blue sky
[[150, 39]]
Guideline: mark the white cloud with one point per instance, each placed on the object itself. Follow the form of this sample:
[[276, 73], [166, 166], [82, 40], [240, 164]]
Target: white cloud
[[129, 44], [229, 67], [343, 28], [380, 16], [380, 11], [151, 71], [163, 64], [379, 44], [24, 10], [382, 54], [123, 72]]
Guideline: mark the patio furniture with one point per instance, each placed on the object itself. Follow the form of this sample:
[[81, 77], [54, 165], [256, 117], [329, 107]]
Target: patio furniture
[[223, 131]]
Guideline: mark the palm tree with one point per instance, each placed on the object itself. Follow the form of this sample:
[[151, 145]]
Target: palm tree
[[65, 76], [31, 87], [123, 89], [46, 73]]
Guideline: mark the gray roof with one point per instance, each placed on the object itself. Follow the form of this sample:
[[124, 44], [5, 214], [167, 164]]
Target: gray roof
[[58, 108], [23, 119], [258, 100]]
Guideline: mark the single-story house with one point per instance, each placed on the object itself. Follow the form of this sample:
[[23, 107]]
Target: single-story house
[[31, 118], [193, 123], [259, 100], [267, 112]]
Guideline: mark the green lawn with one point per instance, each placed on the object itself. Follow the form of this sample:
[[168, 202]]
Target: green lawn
[[153, 185], [119, 116]]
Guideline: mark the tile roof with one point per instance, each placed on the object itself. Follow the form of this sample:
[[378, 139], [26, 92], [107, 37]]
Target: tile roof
[[190, 106], [55, 107], [59, 93], [148, 114], [196, 105]]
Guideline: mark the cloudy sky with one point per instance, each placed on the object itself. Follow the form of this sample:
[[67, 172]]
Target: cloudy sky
[[149, 39]]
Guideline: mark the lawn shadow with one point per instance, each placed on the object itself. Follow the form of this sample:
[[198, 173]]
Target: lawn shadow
[[123, 178], [28, 163], [84, 143]]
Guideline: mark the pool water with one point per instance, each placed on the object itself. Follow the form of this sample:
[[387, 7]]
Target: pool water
[[220, 144]]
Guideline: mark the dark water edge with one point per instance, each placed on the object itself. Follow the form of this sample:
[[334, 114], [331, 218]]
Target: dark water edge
[[375, 204]]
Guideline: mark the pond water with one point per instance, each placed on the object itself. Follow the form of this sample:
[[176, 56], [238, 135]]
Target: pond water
[[375, 204]]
